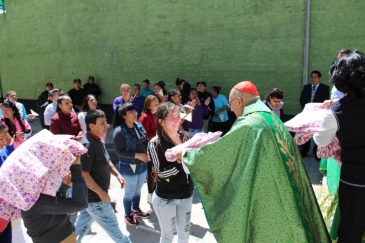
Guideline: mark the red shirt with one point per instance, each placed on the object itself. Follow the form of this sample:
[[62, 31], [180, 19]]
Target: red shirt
[[148, 121], [65, 124]]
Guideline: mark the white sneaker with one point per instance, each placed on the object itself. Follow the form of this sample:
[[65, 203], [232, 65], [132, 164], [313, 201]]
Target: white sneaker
[[149, 198]]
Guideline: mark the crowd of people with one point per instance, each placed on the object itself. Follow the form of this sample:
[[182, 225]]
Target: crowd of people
[[149, 122]]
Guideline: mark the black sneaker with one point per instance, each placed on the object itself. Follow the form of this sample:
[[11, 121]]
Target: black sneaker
[[140, 214], [130, 220]]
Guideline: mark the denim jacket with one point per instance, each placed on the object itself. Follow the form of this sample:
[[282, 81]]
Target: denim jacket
[[130, 140]]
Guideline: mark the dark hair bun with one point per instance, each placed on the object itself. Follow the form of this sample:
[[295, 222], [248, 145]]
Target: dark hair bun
[[162, 84]]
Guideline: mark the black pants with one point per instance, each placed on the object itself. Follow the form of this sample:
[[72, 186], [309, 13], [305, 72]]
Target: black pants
[[352, 209], [305, 149], [5, 236], [220, 126]]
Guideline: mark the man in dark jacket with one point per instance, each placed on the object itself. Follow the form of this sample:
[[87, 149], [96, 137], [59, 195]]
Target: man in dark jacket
[[42, 102], [184, 88], [203, 96], [77, 95], [92, 88], [316, 92]]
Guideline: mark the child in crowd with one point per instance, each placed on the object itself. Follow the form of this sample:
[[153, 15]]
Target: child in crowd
[[7, 147]]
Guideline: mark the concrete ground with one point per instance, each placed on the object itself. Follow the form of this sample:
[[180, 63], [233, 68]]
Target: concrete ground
[[148, 230]]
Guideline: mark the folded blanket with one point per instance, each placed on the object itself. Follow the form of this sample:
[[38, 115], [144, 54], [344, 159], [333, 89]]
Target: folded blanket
[[198, 141], [37, 166], [307, 123]]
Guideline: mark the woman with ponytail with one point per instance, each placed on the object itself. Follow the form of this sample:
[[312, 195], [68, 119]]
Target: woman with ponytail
[[160, 91], [172, 199]]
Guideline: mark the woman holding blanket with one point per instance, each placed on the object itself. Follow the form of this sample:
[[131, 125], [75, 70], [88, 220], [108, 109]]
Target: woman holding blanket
[[172, 199], [345, 120]]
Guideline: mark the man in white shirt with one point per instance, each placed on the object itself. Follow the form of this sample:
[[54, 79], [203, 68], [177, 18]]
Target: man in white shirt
[[51, 108]]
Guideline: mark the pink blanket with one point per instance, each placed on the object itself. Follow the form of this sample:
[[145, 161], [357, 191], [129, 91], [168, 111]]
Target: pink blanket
[[308, 122], [35, 167], [198, 141]]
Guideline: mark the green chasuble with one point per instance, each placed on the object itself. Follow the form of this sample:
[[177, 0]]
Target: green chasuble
[[253, 184]]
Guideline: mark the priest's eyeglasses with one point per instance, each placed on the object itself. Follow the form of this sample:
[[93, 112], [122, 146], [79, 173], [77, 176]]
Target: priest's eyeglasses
[[230, 102]]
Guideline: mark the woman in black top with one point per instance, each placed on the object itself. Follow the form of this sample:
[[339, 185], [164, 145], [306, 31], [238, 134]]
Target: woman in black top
[[346, 120], [172, 199], [48, 221]]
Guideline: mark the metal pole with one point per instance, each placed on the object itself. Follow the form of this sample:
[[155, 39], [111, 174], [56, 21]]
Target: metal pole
[[306, 41]]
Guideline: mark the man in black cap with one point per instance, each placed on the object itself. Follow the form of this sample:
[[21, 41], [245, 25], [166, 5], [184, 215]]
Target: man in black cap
[[42, 102], [91, 87], [77, 95], [203, 95]]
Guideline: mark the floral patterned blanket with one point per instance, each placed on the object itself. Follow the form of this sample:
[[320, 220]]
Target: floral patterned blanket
[[37, 166], [307, 123]]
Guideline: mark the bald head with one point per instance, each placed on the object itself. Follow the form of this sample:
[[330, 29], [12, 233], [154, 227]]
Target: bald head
[[242, 94]]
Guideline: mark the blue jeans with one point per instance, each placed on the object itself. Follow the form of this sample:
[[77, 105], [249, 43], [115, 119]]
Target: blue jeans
[[134, 182], [174, 217], [104, 215], [192, 132]]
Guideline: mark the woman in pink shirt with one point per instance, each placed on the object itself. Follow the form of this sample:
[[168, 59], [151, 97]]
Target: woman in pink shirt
[[19, 128]]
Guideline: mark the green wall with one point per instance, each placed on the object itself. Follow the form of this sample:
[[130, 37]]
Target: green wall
[[219, 41]]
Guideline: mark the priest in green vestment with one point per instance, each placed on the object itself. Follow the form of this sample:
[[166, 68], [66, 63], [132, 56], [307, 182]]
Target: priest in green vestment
[[252, 181]]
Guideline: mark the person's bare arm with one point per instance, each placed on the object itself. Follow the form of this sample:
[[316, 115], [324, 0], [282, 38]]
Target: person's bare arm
[[116, 173], [92, 185]]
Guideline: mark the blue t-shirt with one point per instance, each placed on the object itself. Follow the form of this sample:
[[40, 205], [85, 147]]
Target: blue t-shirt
[[146, 92], [219, 102], [139, 103], [5, 152]]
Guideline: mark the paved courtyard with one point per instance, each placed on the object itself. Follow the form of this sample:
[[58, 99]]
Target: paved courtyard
[[148, 230]]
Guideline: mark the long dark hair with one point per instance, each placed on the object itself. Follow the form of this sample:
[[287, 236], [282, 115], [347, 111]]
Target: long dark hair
[[121, 111], [12, 128], [274, 93], [85, 103], [162, 85], [172, 93], [216, 89]]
